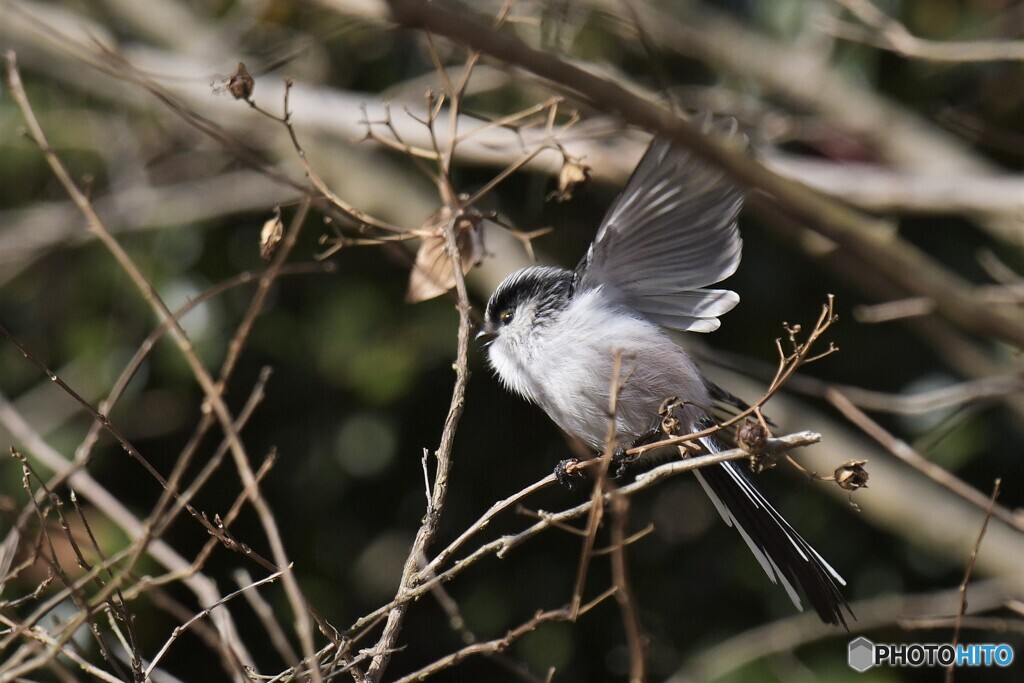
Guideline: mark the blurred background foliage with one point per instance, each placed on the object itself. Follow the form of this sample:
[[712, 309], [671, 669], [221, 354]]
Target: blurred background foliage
[[361, 380]]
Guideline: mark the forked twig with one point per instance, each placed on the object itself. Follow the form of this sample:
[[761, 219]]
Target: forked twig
[[178, 630], [788, 363], [501, 546], [567, 613], [909, 456]]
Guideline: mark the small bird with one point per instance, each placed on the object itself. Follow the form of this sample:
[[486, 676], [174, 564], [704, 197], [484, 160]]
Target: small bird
[[554, 335]]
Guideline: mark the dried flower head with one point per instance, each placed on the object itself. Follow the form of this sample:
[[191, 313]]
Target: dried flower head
[[852, 475], [270, 235], [751, 436], [574, 174], [241, 84], [669, 422]]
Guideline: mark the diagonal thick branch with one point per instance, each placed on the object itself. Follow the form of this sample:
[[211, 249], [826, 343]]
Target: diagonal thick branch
[[902, 263]]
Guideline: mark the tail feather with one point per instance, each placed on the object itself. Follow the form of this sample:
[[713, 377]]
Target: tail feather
[[783, 554]]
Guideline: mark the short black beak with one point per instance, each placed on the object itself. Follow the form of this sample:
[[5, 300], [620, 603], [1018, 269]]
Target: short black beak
[[487, 331]]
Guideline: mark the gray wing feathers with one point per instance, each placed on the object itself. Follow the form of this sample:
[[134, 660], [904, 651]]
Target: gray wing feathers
[[671, 233], [702, 307]]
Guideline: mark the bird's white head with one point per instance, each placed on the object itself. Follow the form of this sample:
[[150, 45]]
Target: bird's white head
[[521, 307]]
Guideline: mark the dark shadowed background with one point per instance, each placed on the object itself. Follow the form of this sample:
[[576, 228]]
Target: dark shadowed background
[[933, 147]]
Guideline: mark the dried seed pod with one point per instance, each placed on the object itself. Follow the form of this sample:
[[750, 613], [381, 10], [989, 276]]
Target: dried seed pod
[[751, 436], [573, 175], [270, 235], [241, 84], [852, 475], [669, 422]]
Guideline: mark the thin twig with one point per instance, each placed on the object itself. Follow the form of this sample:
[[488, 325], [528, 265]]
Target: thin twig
[[42, 636], [83, 483], [502, 546], [893, 257], [967, 574], [601, 484], [787, 366], [86, 608], [916, 403], [178, 630], [790, 633], [483, 522], [83, 452], [211, 390], [880, 30], [567, 613], [911, 457], [358, 216], [396, 615], [624, 591], [148, 292], [119, 609]]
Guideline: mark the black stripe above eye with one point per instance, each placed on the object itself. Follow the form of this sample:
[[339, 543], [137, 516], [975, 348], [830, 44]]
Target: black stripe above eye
[[549, 288]]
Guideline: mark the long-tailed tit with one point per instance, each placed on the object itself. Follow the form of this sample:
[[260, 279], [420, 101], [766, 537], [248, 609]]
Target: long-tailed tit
[[555, 334]]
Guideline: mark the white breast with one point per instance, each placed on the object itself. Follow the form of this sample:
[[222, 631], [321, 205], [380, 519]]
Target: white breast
[[566, 367]]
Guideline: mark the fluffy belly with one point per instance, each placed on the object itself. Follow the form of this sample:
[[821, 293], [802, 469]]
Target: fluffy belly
[[576, 394]]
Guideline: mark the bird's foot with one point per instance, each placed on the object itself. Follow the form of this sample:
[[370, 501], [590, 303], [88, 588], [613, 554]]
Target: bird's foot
[[621, 460], [568, 473]]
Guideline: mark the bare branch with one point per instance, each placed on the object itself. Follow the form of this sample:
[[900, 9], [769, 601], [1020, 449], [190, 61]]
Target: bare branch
[[909, 456], [896, 259], [882, 31], [205, 613], [788, 634], [567, 613], [624, 592], [644, 480], [428, 529], [970, 570]]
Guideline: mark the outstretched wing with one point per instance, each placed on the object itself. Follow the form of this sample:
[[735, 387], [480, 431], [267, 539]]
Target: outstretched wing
[[670, 234]]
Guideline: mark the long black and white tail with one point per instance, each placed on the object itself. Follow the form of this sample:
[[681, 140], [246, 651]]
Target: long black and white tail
[[784, 555]]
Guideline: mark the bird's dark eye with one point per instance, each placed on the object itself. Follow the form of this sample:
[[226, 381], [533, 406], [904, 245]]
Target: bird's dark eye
[[505, 317]]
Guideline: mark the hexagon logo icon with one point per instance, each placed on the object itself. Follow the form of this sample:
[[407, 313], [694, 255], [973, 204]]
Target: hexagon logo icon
[[861, 654]]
